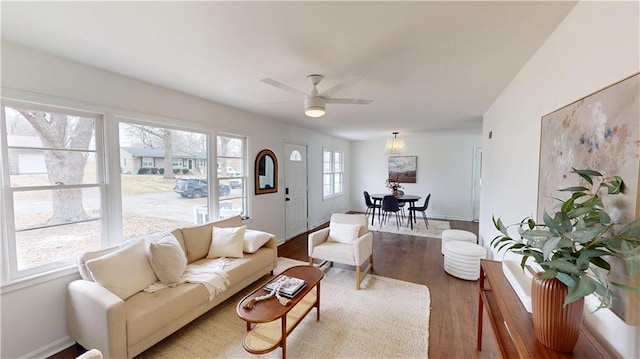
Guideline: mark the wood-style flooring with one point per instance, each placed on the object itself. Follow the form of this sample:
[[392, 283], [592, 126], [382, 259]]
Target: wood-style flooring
[[454, 302]]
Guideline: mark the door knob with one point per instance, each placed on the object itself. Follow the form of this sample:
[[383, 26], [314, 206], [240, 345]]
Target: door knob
[[287, 199]]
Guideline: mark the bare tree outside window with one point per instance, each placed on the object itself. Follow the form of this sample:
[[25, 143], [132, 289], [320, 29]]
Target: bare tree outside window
[[53, 185]]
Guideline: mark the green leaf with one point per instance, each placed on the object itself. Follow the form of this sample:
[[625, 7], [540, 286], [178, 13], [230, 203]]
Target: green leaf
[[566, 279], [626, 287], [574, 189], [614, 185], [550, 246], [536, 233], [585, 286], [587, 235], [600, 263], [631, 230], [562, 266], [548, 274], [587, 174], [604, 217]]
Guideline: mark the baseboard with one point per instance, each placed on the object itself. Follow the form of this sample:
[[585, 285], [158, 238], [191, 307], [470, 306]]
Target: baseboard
[[52, 348]]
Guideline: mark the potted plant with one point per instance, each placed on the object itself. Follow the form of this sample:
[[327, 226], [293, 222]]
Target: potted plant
[[394, 186], [573, 247]]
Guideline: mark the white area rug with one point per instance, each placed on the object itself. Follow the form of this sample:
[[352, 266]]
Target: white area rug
[[419, 229], [386, 318]]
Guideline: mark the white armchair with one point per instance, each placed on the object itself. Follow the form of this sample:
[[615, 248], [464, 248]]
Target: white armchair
[[347, 240]]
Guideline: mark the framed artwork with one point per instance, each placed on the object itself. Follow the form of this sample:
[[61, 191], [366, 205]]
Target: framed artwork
[[600, 132], [403, 168]]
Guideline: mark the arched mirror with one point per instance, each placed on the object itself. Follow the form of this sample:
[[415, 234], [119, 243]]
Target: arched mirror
[[266, 174]]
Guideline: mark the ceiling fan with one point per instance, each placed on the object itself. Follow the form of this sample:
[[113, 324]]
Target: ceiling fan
[[314, 102]]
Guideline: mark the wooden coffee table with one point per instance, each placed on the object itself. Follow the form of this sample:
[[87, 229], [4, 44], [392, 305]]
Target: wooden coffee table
[[269, 322]]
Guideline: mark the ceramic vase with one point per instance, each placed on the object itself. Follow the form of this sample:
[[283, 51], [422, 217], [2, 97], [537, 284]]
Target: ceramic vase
[[556, 327]]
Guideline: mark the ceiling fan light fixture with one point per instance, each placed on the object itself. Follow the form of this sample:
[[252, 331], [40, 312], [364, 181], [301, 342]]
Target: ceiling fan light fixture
[[314, 106], [395, 146]]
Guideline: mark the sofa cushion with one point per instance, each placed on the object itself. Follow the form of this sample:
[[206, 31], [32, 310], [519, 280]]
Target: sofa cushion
[[167, 259], [343, 232], [125, 271], [197, 239], [253, 240], [227, 242], [176, 303], [87, 256]]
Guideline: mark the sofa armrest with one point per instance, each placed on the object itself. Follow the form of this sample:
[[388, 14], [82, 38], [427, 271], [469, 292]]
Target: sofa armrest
[[96, 318], [316, 238], [363, 247], [273, 244]]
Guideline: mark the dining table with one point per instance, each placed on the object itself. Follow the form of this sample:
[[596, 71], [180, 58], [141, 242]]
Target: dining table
[[407, 198]]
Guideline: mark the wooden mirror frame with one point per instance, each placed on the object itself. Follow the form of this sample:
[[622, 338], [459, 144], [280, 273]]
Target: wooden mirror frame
[[263, 156]]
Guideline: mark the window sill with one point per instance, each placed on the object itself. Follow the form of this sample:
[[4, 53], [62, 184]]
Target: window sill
[[22, 283]]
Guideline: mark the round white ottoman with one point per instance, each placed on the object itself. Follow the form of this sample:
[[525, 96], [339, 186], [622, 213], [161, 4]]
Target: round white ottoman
[[457, 235], [462, 259]]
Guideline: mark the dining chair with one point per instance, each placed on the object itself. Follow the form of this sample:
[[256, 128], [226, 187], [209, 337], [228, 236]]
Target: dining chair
[[402, 204], [371, 206], [423, 209], [389, 205]]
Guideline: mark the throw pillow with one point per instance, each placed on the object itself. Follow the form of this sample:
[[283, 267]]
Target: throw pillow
[[124, 272], [343, 232], [226, 242], [167, 259], [253, 240]]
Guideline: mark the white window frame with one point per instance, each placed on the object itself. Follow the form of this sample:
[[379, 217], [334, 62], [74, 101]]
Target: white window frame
[[332, 173], [9, 254], [244, 177]]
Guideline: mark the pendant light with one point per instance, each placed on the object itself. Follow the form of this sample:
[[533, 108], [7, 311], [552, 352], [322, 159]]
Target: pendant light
[[395, 146]]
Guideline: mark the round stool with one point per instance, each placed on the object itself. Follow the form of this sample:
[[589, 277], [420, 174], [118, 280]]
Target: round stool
[[462, 259], [457, 235]]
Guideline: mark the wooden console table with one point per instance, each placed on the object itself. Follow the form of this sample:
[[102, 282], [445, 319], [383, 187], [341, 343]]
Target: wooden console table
[[512, 325]]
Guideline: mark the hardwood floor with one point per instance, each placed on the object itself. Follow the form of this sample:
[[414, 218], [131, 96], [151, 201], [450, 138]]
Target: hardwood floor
[[454, 302]]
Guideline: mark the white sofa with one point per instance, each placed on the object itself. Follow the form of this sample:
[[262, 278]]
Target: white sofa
[[123, 328]]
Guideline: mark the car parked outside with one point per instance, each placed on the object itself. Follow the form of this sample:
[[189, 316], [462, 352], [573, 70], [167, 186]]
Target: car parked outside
[[197, 187]]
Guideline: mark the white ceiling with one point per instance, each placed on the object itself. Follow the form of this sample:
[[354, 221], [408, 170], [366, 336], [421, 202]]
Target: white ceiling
[[429, 66]]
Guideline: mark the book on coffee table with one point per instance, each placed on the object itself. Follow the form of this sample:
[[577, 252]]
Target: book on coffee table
[[293, 287]]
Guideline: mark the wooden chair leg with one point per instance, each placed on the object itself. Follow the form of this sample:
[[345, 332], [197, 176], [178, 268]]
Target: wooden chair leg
[[311, 261], [358, 277]]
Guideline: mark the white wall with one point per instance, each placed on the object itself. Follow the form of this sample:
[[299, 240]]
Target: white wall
[[596, 45], [33, 317], [444, 169]]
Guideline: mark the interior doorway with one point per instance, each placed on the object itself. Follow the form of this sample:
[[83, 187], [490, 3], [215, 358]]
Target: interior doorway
[[295, 189]]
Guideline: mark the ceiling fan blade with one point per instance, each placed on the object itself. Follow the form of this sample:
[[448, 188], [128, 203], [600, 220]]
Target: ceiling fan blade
[[348, 101], [350, 81], [280, 85]]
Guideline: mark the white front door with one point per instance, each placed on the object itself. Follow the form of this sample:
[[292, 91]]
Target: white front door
[[295, 190]]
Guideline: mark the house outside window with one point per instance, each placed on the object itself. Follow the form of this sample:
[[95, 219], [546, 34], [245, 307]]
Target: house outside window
[[232, 179], [52, 180], [162, 200], [332, 173]]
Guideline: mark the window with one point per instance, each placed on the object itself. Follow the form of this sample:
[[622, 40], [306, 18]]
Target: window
[[231, 175], [52, 180], [148, 162], [154, 201], [295, 156], [332, 173], [201, 163]]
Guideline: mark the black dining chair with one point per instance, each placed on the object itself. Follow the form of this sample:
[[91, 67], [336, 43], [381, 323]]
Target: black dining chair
[[389, 205], [423, 209], [371, 207], [402, 204]]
